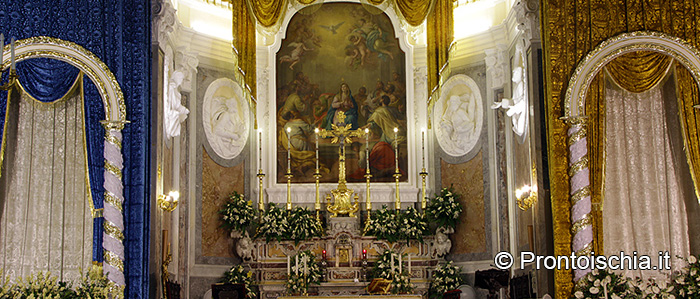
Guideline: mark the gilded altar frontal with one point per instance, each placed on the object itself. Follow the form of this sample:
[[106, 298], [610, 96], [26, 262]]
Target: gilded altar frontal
[[340, 57]]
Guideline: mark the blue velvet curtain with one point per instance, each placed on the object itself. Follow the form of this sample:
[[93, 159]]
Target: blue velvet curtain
[[117, 32]]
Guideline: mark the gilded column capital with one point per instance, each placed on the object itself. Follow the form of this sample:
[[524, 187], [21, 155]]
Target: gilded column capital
[[113, 125], [572, 121]]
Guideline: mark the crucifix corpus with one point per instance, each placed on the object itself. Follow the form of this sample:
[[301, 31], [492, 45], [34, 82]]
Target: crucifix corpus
[[342, 196]]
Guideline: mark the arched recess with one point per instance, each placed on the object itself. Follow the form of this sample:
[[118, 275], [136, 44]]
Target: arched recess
[[115, 114], [576, 117]]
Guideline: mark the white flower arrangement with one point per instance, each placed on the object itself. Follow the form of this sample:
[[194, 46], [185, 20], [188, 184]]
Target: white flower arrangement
[[309, 273], [400, 279], [444, 209], [412, 225], [446, 277], [238, 213], [237, 274], [602, 283], [274, 225], [387, 224], [43, 285], [384, 225], [303, 225]]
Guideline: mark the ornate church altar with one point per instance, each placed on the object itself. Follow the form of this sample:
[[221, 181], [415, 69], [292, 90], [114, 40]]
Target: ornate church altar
[[346, 271], [346, 254]]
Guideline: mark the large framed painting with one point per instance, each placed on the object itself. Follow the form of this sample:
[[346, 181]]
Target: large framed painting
[[340, 57]]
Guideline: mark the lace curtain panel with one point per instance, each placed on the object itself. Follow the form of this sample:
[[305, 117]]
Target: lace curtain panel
[[47, 222], [643, 208]]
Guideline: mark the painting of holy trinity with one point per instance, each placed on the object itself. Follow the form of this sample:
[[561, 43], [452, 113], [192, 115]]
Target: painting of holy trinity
[[340, 57]]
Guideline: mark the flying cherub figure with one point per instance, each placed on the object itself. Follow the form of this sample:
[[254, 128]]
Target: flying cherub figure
[[295, 56], [333, 28]]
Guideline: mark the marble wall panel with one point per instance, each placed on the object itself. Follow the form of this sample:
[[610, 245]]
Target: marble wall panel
[[467, 180], [217, 183]]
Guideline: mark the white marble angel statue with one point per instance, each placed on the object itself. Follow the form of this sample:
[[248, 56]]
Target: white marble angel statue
[[174, 112], [517, 108]]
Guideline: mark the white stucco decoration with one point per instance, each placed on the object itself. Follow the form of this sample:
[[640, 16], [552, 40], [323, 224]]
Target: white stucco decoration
[[226, 118], [458, 116]]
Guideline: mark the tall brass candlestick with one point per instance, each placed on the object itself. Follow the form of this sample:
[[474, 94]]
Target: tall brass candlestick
[[288, 175], [261, 175], [261, 195], [368, 176], [317, 176], [397, 174]]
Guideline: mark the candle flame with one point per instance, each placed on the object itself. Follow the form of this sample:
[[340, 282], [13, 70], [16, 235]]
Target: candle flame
[[316, 130], [396, 130], [289, 130]]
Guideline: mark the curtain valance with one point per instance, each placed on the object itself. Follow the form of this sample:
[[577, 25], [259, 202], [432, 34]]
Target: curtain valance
[[639, 71], [45, 79]]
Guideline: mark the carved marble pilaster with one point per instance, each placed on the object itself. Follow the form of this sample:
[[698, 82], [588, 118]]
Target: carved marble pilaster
[[497, 66], [420, 89]]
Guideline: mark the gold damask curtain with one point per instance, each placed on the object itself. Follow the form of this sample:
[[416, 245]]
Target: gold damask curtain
[[595, 110], [688, 94], [440, 36], [244, 43]]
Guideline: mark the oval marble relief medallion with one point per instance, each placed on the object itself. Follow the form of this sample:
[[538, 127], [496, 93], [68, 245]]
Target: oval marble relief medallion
[[458, 116], [225, 117]]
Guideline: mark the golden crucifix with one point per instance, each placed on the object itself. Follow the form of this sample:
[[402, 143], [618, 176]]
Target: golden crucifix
[[342, 133]]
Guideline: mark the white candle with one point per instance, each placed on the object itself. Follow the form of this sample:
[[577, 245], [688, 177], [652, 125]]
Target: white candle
[[367, 149], [392, 262], [400, 264], [296, 265], [260, 149], [306, 268], [12, 54], [422, 146], [409, 263], [289, 266], [316, 133], [396, 149], [605, 289], [289, 151]]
